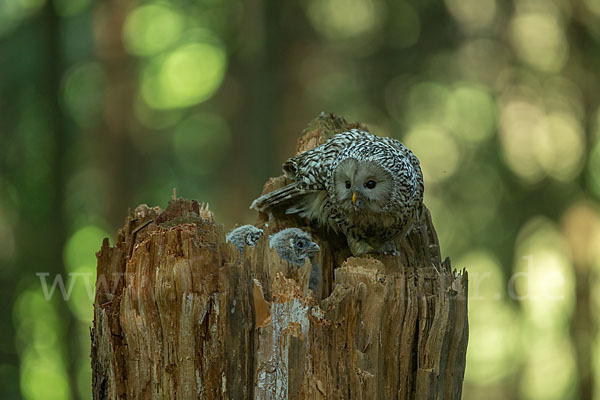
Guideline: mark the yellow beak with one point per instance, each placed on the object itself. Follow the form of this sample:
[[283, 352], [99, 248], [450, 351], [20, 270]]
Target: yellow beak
[[354, 198]]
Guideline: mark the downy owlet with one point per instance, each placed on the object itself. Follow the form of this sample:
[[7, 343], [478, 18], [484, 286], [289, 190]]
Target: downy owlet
[[367, 187], [294, 246], [244, 235]]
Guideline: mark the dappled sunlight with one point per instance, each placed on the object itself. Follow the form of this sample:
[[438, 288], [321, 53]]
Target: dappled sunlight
[[482, 59], [153, 27], [537, 143], [543, 278], [549, 372], [593, 169], [427, 103], [107, 105], [544, 285], [593, 6], [539, 40], [83, 89], [472, 15], [472, 114], [581, 228], [345, 19], [40, 340], [479, 207], [491, 320], [438, 162], [188, 75], [80, 262], [14, 11], [561, 151]]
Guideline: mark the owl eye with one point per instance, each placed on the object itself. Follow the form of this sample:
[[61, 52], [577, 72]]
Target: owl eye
[[370, 184], [300, 244], [348, 184]]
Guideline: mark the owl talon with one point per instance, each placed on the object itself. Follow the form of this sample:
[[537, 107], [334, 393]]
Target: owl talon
[[360, 248], [389, 249]]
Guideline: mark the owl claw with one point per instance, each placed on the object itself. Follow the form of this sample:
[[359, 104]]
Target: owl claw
[[389, 249]]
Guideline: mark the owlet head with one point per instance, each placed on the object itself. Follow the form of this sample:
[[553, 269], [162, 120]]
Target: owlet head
[[294, 245], [362, 185]]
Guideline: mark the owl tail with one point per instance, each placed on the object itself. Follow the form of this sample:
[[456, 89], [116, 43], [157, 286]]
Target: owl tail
[[279, 199]]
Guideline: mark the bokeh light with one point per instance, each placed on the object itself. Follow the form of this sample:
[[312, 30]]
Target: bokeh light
[[83, 93], [427, 102], [544, 283], [537, 143], [200, 142], [472, 114], [13, 11], [543, 277], [593, 169], [188, 75], [550, 369], [346, 19], [80, 261], [438, 162], [540, 41], [152, 28], [499, 100], [491, 320], [473, 14], [40, 340]]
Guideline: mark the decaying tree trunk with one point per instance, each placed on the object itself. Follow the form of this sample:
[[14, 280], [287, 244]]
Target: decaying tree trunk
[[180, 314]]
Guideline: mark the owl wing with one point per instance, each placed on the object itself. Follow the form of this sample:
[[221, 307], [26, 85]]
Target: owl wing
[[308, 172]]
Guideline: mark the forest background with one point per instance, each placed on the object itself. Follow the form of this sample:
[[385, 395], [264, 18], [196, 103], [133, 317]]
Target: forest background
[[108, 104]]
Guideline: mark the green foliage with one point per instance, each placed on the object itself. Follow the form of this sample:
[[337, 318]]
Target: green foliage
[[104, 105]]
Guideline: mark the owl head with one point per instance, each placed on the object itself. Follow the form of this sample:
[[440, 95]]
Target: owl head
[[294, 245], [253, 236], [362, 183]]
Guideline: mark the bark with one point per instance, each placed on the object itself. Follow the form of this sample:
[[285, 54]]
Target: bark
[[181, 314]]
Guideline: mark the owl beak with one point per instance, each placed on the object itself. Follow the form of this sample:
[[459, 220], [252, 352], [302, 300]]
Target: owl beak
[[314, 249], [356, 202]]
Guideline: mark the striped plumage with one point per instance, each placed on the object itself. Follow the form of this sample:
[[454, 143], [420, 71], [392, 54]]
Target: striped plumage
[[332, 185]]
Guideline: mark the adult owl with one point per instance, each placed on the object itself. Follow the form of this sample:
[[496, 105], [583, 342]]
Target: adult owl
[[367, 187]]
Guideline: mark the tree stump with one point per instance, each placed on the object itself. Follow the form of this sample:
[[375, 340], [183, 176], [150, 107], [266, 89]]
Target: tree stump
[[180, 314]]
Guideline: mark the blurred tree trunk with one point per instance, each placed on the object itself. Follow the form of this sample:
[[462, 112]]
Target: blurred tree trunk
[[114, 147], [59, 127], [180, 314], [582, 70]]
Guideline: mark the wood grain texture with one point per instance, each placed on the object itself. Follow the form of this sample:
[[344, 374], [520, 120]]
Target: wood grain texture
[[180, 314]]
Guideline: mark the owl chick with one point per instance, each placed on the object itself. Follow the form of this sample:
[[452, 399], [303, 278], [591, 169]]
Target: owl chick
[[294, 246], [367, 187], [244, 235]]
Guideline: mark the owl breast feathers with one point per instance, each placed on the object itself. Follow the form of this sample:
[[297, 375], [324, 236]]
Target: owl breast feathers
[[367, 187]]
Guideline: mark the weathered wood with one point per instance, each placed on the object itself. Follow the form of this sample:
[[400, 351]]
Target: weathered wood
[[180, 314]]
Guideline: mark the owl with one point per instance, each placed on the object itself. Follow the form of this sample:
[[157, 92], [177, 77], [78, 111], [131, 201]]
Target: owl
[[294, 246], [244, 235], [367, 187]]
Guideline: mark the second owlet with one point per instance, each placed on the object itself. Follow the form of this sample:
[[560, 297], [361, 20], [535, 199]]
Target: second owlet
[[367, 187]]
